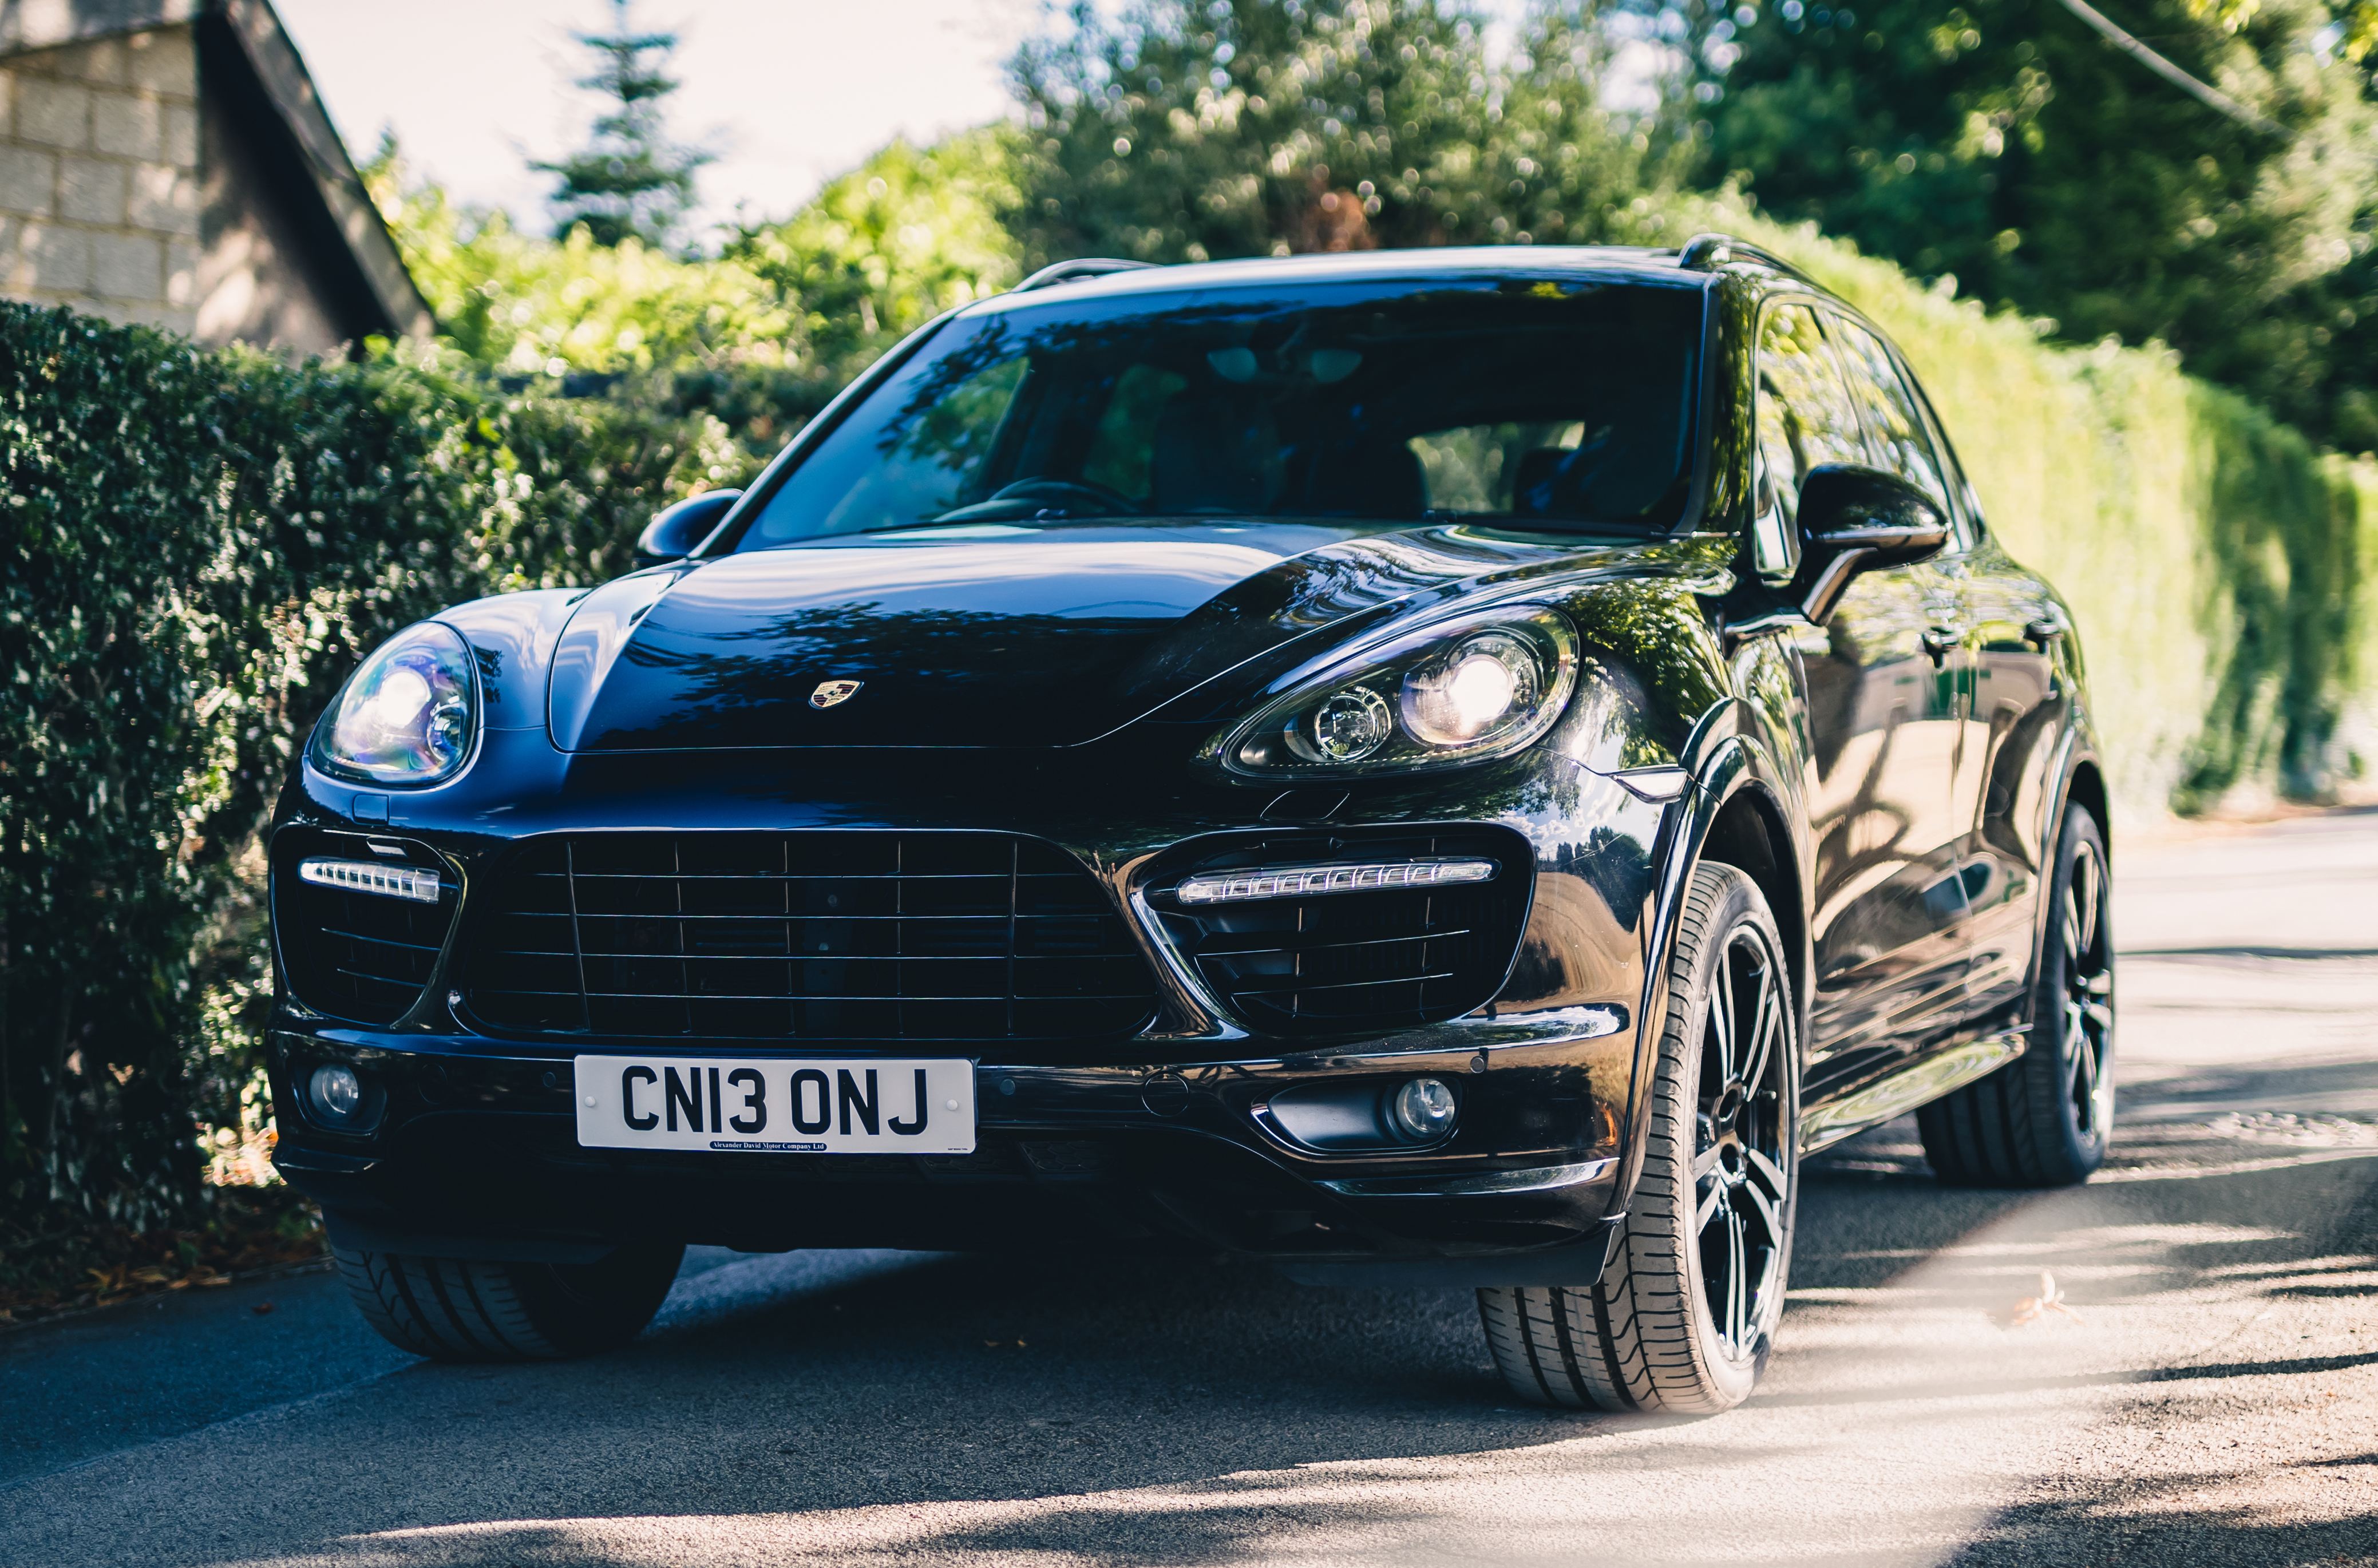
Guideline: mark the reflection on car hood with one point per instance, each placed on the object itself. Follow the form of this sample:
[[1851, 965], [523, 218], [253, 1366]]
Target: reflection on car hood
[[1046, 637]]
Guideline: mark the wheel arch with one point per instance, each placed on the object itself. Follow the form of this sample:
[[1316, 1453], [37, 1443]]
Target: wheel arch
[[1733, 814], [1747, 833], [2085, 786]]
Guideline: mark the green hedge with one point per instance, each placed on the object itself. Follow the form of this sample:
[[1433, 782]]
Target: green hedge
[[198, 547], [2216, 561]]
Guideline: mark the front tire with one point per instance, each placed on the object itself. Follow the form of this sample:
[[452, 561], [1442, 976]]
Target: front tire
[[1684, 1315], [2043, 1119], [464, 1309]]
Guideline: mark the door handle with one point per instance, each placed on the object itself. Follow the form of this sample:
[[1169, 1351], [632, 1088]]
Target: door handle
[[1938, 640], [2043, 632]]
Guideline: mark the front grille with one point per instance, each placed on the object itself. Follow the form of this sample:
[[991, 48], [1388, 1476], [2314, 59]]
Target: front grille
[[1353, 962], [824, 936], [363, 956]]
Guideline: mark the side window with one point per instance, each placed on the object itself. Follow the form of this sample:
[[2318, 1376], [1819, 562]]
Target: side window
[[1901, 441], [1806, 418]]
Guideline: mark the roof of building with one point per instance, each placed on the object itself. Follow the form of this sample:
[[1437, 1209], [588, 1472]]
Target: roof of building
[[266, 69]]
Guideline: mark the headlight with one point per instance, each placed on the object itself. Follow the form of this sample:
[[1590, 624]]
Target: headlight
[[1484, 685], [408, 715]]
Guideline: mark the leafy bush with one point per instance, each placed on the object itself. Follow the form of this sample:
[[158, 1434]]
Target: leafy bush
[[760, 337], [198, 547]]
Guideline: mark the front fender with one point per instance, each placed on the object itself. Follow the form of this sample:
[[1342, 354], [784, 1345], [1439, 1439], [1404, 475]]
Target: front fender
[[1733, 772], [512, 636]]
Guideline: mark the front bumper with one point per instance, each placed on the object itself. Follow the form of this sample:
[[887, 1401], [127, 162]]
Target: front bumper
[[476, 1155], [1154, 1143]]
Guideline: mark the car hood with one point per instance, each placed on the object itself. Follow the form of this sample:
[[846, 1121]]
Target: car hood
[[1041, 637]]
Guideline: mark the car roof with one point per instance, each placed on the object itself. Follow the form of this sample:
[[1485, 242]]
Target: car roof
[[1124, 279]]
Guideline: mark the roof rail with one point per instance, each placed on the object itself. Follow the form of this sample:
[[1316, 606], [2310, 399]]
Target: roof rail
[[1707, 252], [1075, 271]]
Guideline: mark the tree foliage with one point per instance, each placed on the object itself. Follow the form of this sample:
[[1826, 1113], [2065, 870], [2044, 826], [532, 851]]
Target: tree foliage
[[629, 181], [1182, 130], [2009, 144], [881, 251], [761, 336]]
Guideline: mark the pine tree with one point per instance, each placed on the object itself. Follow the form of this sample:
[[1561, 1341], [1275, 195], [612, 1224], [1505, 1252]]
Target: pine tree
[[630, 179]]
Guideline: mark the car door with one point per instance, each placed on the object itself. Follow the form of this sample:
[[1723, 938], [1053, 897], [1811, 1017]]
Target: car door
[[2015, 713], [1887, 910]]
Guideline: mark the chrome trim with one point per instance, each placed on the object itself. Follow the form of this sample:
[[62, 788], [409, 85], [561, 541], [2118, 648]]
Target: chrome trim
[[1540, 1179], [1657, 785]]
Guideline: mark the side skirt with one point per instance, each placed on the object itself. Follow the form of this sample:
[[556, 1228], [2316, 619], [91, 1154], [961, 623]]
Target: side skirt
[[1901, 1091]]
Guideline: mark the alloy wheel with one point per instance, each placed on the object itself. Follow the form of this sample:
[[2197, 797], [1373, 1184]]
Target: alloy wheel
[[1739, 1187], [2085, 1051]]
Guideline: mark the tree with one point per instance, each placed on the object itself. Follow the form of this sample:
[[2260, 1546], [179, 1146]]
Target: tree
[[881, 251], [630, 180], [2010, 144], [1185, 129]]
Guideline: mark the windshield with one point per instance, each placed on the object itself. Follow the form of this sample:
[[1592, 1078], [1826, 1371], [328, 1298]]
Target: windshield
[[1533, 404]]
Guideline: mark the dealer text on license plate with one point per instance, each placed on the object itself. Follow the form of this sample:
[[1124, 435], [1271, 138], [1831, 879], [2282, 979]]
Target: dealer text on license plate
[[778, 1104]]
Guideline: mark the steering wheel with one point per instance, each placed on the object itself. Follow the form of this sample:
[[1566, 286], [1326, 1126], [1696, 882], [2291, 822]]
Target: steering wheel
[[1055, 493]]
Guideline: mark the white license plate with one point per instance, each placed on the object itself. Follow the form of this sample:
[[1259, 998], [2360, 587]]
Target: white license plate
[[778, 1104]]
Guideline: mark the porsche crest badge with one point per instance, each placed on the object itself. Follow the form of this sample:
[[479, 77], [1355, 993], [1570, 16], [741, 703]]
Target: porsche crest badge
[[830, 692]]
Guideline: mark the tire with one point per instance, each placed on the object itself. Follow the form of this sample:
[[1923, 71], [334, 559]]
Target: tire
[[2043, 1119], [458, 1309], [1682, 1318]]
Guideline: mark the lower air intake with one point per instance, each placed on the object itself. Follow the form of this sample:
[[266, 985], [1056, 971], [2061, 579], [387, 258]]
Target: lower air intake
[[1371, 959], [814, 936], [359, 954]]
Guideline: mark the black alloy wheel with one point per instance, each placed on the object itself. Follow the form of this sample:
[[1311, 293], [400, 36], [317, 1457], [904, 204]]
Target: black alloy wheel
[[1684, 1316], [2044, 1118], [1740, 1188]]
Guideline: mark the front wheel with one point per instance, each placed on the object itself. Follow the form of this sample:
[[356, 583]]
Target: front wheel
[[465, 1310], [2043, 1120], [1683, 1317]]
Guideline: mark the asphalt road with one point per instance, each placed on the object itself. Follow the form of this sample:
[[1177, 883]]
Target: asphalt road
[[2213, 1399]]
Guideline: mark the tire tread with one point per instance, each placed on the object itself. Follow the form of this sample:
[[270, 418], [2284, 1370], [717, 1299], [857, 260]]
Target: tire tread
[[1629, 1341], [2008, 1129], [460, 1310]]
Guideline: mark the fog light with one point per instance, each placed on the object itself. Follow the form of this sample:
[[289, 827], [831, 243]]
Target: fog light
[[1423, 1109], [338, 1094]]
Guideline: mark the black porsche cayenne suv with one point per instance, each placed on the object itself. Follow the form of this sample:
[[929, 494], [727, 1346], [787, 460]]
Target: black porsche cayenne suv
[[1450, 768]]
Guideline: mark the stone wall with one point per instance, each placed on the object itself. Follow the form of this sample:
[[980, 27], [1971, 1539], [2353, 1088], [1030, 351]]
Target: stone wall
[[99, 177]]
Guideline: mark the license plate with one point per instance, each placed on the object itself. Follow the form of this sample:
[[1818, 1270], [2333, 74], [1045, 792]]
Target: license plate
[[779, 1105]]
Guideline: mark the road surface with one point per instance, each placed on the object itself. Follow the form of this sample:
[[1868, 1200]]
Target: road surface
[[2212, 1399]]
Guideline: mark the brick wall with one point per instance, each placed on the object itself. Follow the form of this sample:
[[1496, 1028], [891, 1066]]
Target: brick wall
[[98, 183]]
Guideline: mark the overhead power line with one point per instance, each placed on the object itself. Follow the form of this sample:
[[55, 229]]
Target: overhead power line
[[2203, 91]]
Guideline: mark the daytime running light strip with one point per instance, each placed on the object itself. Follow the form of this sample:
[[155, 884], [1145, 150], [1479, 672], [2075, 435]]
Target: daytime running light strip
[[1302, 882], [362, 876]]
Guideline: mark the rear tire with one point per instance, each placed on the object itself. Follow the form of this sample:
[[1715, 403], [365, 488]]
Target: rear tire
[[1682, 1318], [2043, 1119], [462, 1310]]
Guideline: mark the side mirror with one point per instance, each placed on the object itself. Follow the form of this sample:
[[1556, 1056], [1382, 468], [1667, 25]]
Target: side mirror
[[1855, 518], [673, 533]]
